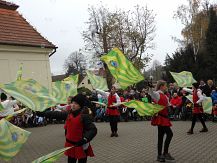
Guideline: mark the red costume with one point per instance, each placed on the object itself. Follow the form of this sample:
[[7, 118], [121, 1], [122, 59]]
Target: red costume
[[162, 119], [74, 133], [196, 109], [112, 111]]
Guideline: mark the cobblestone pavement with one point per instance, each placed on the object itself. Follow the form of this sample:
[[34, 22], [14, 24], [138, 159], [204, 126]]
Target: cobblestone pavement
[[136, 143]]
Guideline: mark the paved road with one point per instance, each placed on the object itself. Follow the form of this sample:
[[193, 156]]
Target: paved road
[[136, 143]]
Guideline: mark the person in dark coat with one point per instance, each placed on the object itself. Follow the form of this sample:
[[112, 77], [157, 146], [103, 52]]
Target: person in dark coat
[[207, 89], [79, 131]]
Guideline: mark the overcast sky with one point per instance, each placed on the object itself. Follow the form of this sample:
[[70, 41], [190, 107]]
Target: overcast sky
[[62, 22]]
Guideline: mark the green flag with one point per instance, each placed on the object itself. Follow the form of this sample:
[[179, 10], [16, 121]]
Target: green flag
[[20, 72], [61, 90], [143, 109], [97, 82], [206, 103], [30, 93], [190, 98], [12, 139], [121, 68], [145, 99], [15, 113], [183, 79], [73, 78], [1, 107], [52, 157]]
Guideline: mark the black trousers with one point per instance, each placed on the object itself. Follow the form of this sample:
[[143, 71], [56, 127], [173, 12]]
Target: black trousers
[[74, 160], [162, 130], [113, 123], [194, 119]]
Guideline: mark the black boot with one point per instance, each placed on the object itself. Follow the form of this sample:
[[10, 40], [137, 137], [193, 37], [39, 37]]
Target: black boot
[[190, 132], [167, 156], [160, 158], [116, 134], [112, 134], [204, 130]]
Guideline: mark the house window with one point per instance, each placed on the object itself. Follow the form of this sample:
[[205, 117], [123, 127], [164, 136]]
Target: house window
[[82, 83], [88, 81]]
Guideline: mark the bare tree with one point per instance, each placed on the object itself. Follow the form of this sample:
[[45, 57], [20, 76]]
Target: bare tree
[[131, 31], [75, 63]]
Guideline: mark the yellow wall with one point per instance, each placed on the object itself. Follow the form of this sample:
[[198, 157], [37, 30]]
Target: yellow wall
[[35, 64]]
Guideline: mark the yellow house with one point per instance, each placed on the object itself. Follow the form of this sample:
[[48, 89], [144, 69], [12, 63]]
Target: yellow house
[[21, 43]]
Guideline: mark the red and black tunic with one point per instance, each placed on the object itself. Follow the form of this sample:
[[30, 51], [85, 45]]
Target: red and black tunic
[[162, 119], [77, 127]]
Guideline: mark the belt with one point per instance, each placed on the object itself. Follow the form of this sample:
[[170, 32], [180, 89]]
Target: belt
[[71, 142], [163, 116]]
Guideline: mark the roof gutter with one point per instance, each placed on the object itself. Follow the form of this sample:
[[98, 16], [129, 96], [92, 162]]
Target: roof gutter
[[54, 51]]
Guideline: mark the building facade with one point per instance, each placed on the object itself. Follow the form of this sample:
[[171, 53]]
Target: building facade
[[21, 43]]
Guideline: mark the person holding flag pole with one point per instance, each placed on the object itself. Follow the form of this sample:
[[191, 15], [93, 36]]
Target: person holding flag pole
[[112, 111], [198, 109], [79, 131], [161, 120]]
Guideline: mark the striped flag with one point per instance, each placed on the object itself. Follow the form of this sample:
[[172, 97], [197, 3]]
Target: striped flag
[[97, 82], [121, 68], [20, 72], [206, 103], [1, 107], [183, 79], [12, 139], [52, 157], [30, 93], [61, 90], [15, 113], [143, 109], [73, 78], [190, 98]]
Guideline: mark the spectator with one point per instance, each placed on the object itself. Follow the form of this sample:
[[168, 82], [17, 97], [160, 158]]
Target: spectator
[[214, 95], [214, 110], [202, 85], [209, 88], [176, 103], [8, 105], [171, 90]]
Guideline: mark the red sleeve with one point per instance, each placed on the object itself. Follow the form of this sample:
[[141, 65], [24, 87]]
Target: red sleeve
[[179, 101], [172, 101], [122, 99]]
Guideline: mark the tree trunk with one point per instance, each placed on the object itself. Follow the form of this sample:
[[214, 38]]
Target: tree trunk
[[109, 76]]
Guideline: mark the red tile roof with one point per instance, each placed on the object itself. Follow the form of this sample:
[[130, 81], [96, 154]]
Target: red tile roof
[[15, 30]]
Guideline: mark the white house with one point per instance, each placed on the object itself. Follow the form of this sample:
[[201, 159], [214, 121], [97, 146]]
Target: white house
[[85, 82], [21, 43]]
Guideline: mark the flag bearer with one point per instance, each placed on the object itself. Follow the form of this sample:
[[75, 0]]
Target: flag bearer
[[79, 131], [112, 111], [197, 110], [162, 121]]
